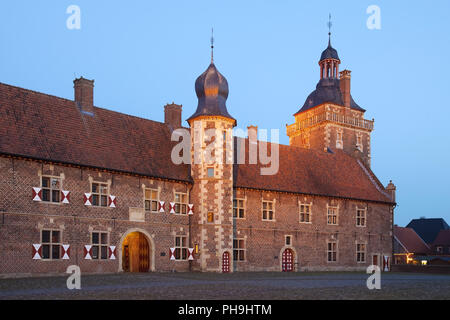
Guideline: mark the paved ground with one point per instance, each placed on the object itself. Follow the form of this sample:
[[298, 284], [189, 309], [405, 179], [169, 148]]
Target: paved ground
[[237, 286]]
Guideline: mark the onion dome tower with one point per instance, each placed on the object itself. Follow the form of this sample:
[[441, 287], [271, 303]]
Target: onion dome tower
[[212, 172]]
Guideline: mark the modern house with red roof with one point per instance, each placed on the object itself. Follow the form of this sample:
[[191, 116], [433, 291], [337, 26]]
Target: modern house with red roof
[[83, 185], [408, 245]]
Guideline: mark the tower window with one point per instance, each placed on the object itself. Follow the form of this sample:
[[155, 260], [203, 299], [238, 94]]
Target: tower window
[[339, 139], [210, 172], [210, 217]]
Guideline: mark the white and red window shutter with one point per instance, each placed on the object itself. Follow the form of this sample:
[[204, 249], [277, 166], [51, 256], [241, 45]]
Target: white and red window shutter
[[37, 252], [190, 209], [88, 252], [191, 254], [87, 199], [161, 206], [112, 252], [172, 207], [112, 201], [65, 196], [172, 253], [65, 248], [37, 194]]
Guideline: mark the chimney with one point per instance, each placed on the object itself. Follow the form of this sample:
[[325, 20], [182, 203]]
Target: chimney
[[172, 115], [84, 95], [391, 188], [344, 81]]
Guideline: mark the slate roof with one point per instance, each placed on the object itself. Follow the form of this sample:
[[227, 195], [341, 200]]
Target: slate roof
[[43, 127], [428, 229], [327, 90], [443, 238], [329, 53], [410, 241]]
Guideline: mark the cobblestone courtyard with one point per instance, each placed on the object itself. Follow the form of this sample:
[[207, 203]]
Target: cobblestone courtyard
[[241, 286]]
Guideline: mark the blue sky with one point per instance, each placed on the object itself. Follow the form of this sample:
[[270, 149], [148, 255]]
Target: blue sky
[[144, 54]]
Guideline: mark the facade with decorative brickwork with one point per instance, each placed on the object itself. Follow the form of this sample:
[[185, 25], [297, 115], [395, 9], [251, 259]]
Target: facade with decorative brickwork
[[82, 185]]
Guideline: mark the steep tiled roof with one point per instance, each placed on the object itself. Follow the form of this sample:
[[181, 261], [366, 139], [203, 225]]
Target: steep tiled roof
[[410, 241], [428, 229], [313, 172], [43, 127]]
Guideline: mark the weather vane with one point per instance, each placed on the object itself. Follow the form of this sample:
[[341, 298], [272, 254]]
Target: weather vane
[[329, 24], [212, 45]]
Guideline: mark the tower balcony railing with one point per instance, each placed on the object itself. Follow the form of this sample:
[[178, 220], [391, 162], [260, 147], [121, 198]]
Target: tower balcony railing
[[332, 117]]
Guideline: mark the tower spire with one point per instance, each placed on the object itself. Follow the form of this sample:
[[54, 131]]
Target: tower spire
[[212, 45], [329, 24]]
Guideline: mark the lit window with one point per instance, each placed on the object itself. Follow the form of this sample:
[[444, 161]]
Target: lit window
[[100, 244], [51, 244], [51, 189], [238, 209], [151, 200], [210, 217]]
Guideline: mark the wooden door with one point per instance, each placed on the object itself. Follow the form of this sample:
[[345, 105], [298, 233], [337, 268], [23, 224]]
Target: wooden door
[[226, 262], [126, 259], [136, 253], [287, 262], [143, 254]]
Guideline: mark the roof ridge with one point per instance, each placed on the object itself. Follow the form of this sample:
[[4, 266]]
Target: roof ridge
[[372, 179]]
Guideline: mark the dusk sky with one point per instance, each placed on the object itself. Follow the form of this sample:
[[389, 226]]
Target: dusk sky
[[144, 54]]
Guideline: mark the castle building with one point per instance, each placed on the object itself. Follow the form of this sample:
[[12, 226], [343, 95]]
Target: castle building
[[86, 186]]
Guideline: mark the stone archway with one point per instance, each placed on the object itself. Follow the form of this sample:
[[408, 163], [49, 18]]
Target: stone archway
[[288, 259], [132, 249]]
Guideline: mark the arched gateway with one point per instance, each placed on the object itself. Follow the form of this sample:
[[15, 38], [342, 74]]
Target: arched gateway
[[136, 252]]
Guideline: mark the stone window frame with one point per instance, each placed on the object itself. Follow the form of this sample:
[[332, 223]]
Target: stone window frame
[[51, 243], [238, 208], [108, 193], [239, 252], [273, 202], [335, 251], [339, 142], [210, 217], [181, 249], [358, 218], [208, 168], [336, 214], [359, 141], [300, 204], [290, 240], [359, 251], [49, 176], [181, 204], [100, 245], [158, 193]]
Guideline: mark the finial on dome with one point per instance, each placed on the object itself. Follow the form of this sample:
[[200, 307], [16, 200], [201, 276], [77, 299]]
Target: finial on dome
[[212, 45], [329, 24]]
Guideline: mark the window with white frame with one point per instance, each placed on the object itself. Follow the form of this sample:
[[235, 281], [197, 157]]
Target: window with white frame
[[51, 189], [332, 215], [238, 209], [51, 244], [99, 193], [180, 203], [332, 251], [239, 250], [360, 252], [305, 213], [100, 244], [268, 211], [151, 200], [181, 248], [360, 217]]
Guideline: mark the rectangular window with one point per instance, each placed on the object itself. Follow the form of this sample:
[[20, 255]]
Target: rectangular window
[[288, 240], [100, 244], [361, 217], [51, 189], [51, 244], [151, 200], [359, 143], [305, 213], [268, 213], [360, 252], [332, 216], [181, 249], [332, 251], [210, 217], [210, 172], [238, 209], [180, 203], [239, 250], [99, 194]]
